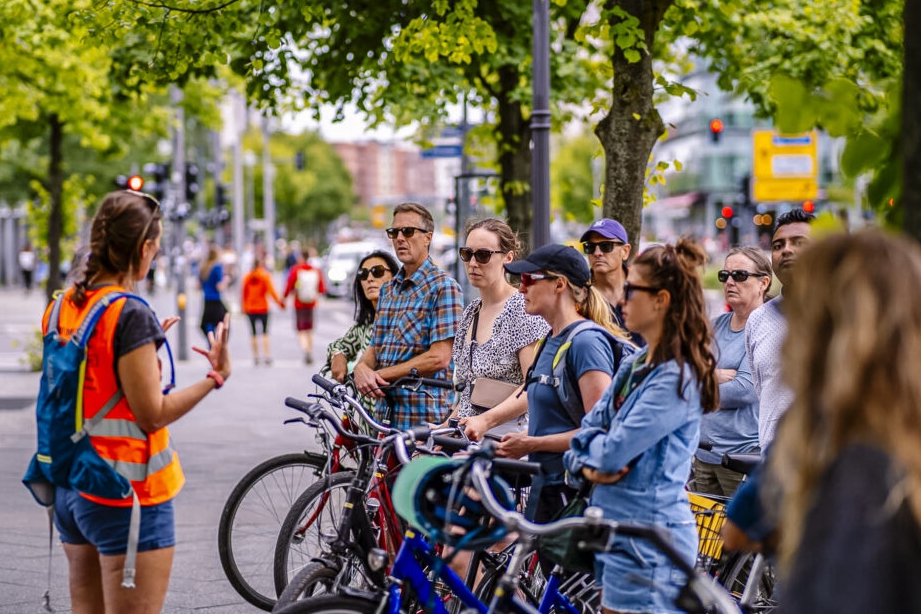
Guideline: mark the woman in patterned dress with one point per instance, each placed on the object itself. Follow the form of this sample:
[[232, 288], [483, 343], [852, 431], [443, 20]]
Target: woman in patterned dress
[[496, 339], [375, 270]]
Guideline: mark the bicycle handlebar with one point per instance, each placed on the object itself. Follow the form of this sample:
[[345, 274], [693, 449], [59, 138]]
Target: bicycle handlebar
[[705, 589]]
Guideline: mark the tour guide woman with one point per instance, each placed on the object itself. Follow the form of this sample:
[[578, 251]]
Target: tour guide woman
[[122, 354], [636, 444]]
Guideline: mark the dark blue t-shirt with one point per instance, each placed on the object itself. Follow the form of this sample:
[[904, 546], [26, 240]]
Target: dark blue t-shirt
[[590, 351], [209, 285]]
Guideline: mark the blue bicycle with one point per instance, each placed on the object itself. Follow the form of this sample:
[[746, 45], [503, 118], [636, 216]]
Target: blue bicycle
[[461, 503]]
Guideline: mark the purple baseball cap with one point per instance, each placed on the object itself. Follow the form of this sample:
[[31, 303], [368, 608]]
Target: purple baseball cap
[[607, 228]]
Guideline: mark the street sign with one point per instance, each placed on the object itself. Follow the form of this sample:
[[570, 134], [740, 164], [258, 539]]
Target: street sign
[[784, 167], [443, 151]]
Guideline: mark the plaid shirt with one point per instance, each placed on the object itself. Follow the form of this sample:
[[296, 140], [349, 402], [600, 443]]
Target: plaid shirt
[[412, 314]]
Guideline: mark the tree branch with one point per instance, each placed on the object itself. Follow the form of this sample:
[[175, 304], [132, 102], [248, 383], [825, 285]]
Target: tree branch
[[168, 7]]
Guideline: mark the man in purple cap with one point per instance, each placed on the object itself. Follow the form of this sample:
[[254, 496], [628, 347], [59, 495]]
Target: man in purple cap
[[606, 245]]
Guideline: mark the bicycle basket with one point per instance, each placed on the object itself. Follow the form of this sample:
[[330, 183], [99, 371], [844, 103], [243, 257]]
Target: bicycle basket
[[710, 514], [429, 495]]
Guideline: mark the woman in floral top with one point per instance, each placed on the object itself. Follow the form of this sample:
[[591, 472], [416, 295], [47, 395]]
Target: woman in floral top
[[375, 270], [495, 339]]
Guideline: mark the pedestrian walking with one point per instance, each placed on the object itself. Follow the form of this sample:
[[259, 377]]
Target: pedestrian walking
[[213, 283], [27, 266], [305, 282], [257, 289]]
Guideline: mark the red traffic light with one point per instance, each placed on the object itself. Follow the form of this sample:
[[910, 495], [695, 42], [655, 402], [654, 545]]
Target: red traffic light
[[726, 212], [808, 206], [716, 126], [136, 183]]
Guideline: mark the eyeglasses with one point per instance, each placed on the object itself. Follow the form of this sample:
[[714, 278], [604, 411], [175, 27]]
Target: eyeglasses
[[378, 271], [588, 247], [629, 289], [482, 255], [408, 231], [529, 279], [739, 275]]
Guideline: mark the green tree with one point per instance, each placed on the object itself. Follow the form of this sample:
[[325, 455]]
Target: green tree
[[573, 177]]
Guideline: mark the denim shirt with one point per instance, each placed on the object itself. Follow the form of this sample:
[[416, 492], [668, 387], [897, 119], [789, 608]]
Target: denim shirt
[[657, 430]]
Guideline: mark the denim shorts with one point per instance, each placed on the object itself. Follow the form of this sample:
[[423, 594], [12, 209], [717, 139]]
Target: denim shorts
[[81, 521]]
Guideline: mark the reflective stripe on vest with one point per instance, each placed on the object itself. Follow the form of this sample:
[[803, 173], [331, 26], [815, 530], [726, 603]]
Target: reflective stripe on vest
[[139, 472]]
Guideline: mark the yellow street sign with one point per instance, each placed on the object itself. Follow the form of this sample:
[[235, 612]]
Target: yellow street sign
[[784, 166], [379, 215]]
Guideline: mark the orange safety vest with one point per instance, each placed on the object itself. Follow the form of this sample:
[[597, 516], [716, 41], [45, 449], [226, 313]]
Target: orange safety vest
[[147, 460]]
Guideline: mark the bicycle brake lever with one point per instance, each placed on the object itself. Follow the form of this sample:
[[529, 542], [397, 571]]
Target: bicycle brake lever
[[293, 420]]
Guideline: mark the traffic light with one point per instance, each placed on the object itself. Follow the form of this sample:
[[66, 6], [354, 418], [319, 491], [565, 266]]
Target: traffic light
[[192, 186], [716, 129], [299, 160], [808, 206], [160, 172], [726, 212]]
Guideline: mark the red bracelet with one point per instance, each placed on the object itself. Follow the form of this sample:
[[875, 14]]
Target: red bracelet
[[217, 378]]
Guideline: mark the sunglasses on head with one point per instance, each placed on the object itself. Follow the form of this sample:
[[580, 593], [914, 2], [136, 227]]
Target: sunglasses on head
[[482, 255], [407, 231], [739, 275], [588, 247], [378, 271], [529, 279]]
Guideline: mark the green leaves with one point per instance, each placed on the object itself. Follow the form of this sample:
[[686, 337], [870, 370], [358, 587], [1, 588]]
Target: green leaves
[[834, 106]]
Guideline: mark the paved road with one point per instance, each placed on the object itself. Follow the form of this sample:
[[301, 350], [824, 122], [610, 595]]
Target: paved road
[[227, 434]]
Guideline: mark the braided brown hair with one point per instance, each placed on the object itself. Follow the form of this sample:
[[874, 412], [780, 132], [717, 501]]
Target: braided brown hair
[[125, 220], [686, 334]]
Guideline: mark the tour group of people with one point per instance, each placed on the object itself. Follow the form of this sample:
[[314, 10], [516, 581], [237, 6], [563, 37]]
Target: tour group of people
[[614, 374]]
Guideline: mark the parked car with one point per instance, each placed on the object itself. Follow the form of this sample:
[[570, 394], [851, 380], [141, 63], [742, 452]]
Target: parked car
[[342, 262]]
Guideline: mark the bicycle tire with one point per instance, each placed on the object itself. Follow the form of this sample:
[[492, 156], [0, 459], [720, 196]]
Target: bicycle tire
[[734, 578], [246, 538], [292, 552], [312, 580], [331, 604]]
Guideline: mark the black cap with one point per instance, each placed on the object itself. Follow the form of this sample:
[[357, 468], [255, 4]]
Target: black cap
[[560, 259]]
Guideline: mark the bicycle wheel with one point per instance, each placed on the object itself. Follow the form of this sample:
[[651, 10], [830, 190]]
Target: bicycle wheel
[[299, 541], [314, 579], [331, 604], [252, 517], [735, 578]]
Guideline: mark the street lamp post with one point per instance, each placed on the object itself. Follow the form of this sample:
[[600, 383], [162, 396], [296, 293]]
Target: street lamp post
[[540, 126]]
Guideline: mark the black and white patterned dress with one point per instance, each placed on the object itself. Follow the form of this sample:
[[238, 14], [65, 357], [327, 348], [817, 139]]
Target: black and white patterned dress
[[497, 358]]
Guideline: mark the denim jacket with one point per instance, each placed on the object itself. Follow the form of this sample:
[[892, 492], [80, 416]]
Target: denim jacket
[[655, 431]]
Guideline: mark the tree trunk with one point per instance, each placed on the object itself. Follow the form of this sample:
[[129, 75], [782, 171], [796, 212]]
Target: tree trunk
[[911, 123], [56, 213], [630, 129], [514, 142]]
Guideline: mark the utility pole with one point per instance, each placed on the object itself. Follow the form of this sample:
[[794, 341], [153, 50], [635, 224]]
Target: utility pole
[[540, 127], [268, 192], [178, 212], [239, 208]]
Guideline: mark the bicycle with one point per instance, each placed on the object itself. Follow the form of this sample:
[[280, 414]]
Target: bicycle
[[256, 507], [337, 522], [409, 580]]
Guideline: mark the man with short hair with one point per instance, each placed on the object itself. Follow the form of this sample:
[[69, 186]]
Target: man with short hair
[[767, 325], [607, 248], [417, 314]]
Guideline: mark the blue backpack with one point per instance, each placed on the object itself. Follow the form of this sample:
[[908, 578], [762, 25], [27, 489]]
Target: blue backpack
[[65, 456], [562, 377]]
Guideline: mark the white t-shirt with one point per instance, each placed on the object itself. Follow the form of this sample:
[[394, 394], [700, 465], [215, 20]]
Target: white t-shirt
[[27, 260]]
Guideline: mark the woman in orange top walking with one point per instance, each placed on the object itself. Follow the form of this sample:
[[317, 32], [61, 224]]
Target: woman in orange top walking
[[257, 287]]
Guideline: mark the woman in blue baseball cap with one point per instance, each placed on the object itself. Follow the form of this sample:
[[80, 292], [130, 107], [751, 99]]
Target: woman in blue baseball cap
[[556, 284]]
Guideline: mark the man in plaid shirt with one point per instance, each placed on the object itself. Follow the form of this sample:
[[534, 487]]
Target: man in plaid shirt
[[417, 314]]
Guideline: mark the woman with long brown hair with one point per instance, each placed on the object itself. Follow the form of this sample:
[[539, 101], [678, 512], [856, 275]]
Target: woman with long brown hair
[[637, 442], [848, 452]]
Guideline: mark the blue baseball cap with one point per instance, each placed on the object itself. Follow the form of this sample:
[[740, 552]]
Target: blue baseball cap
[[556, 258], [607, 228]]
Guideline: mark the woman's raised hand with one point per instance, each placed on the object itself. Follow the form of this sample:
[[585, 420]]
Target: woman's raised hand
[[218, 354]]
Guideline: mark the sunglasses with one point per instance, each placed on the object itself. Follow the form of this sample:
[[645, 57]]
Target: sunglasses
[[629, 289], [378, 271], [152, 204], [482, 255], [588, 247], [739, 275], [529, 279], [408, 231]]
